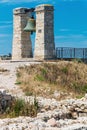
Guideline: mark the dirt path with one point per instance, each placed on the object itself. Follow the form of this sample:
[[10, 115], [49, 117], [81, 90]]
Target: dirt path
[[8, 79]]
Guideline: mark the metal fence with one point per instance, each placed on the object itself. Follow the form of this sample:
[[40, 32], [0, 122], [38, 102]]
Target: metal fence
[[71, 53]]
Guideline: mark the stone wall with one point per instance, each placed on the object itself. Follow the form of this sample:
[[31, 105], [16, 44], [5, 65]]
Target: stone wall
[[5, 101]]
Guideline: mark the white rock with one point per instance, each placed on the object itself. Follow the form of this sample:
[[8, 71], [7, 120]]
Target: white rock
[[52, 122]]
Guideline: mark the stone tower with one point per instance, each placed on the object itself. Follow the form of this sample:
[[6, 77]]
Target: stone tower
[[44, 42], [22, 47]]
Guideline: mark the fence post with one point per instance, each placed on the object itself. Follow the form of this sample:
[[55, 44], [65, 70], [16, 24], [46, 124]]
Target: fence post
[[74, 52], [83, 53], [56, 52], [70, 52], [62, 53]]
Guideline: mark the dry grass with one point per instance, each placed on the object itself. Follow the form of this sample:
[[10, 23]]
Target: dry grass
[[20, 108], [3, 70], [46, 78]]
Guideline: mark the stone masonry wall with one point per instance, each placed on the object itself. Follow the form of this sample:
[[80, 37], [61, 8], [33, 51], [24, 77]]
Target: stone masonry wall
[[22, 47], [5, 101], [44, 42]]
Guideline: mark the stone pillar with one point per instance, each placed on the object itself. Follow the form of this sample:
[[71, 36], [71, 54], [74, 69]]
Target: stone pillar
[[44, 42], [22, 47]]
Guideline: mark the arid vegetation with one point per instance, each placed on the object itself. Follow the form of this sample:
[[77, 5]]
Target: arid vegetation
[[46, 78], [3, 70], [21, 108]]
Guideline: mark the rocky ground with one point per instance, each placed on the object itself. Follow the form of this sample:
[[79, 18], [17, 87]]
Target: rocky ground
[[69, 114], [8, 79]]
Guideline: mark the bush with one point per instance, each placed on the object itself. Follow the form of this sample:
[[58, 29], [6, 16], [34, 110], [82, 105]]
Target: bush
[[39, 77], [19, 105], [65, 70], [77, 60], [78, 88], [28, 93], [22, 108], [18, 82]]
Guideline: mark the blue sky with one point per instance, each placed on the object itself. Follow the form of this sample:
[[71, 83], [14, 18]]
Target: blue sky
[[70, 22]]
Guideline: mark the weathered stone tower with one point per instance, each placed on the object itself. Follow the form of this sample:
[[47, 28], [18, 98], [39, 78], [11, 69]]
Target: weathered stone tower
[[22, 47], [44, 42]]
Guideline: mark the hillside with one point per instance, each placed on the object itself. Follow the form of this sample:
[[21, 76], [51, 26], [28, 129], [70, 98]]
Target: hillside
[[48, 100], [58, 80]]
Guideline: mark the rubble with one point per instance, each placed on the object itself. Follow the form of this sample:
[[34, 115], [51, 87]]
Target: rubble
[[69, 114]]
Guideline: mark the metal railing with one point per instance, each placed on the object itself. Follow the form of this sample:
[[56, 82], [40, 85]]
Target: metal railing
[[71, 53]]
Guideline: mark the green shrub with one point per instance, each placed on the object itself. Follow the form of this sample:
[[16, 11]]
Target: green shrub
[[65, 70], [28, 93], [39, 77], [22, 108], [18, 74], [19, 105], [77, 60], [82, 89], [44, 71], [79, 96], [18, 82]]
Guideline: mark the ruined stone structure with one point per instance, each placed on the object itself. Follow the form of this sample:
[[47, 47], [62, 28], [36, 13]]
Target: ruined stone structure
[[5, 101], [44, 40], [22, 47]]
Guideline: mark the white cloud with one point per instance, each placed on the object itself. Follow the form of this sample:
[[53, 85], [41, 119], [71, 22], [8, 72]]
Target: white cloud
[[71, 36], [69, 0], [4, 35], [81, 44], [85, 31], [64, 30], [5, 26], [5, 22], [25, 1], [60, 36], [72, 40]]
